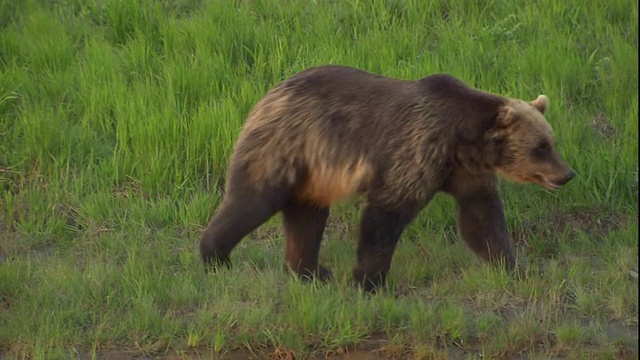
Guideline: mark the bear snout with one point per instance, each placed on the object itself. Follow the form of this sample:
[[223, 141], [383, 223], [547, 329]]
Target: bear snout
[[556, 183], [551, 182], [570, 175]]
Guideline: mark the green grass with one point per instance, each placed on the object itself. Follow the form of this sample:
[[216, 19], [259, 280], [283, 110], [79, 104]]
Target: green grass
[[117, 122]]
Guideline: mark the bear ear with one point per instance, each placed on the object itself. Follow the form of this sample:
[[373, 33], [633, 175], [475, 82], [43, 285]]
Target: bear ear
[[541, 103], [506, 116]]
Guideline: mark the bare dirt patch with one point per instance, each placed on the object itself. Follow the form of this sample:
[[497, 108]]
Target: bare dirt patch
[[231, 355], [569, 223]]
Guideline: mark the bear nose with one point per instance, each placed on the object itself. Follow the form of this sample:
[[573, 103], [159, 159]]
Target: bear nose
[[570, 175]]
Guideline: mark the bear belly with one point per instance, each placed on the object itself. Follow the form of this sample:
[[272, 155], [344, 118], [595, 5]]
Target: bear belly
[[328, 185]]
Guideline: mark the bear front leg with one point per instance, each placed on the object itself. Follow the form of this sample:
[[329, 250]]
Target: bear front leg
[[380, 230], [304, 226], [482, 225]]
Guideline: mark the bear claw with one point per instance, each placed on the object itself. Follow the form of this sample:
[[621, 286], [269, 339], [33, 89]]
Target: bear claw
[[213, 263], [321, 274]]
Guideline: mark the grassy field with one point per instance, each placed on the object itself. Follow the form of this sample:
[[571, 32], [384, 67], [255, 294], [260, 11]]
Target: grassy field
[[117, 119]]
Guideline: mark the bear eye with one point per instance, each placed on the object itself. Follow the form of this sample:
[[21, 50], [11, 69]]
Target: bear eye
[[541, 149]]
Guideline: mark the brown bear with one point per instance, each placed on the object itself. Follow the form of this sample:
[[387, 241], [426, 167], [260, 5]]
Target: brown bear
[[331, 132]]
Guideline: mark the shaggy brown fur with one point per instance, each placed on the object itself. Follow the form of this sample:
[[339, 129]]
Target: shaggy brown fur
[[332, 132]]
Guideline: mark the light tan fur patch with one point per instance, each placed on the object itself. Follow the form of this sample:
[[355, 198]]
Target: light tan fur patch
[[327, 184], [282, 141]]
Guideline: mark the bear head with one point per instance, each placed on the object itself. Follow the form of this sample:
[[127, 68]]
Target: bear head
[[526, 146]]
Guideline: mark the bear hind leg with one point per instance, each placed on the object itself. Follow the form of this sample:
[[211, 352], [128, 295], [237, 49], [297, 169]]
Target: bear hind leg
[[242, 211], [304, 225]]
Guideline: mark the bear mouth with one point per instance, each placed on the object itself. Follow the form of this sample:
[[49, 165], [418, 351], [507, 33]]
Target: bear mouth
[[542, 181]]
